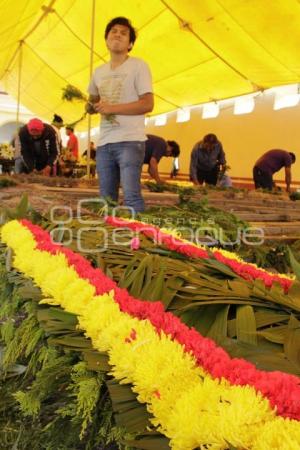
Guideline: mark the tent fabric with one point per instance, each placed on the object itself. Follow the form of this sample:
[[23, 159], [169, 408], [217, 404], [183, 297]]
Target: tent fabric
[[198, 51]]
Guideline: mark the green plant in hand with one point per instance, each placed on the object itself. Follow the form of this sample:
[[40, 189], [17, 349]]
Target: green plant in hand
[[71, 93]]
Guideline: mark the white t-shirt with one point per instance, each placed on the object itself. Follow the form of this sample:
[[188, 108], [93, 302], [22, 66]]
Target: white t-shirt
[[122, 85]]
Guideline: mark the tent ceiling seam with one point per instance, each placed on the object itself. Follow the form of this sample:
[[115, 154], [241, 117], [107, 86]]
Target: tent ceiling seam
[[167, 101], [47, 9], [15, 24], [184, 70], [255, 40], [80, 40], [44, 62], [145, 25], [188, 27]]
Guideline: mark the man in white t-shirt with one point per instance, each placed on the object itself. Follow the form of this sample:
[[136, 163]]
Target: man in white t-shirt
[[121, 91]]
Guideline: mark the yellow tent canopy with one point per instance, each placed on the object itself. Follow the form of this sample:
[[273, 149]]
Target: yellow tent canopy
[[198, 51]]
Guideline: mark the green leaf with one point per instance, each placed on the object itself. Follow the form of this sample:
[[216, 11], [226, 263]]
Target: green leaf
[[218, 330], [22, 208], [261, 356], [156, 287], [239, 288], [295, 264], [97, 361], [170, 290], [202, 319], [155, 443], [275, 334], [246, 325], [292, 341], [76, 342], [264, 317]]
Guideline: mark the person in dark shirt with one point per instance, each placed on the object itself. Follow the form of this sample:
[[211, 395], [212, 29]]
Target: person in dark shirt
[[92, 151], [38, 146], [92, 158], [207, 158], [270, 163], [155, 148]]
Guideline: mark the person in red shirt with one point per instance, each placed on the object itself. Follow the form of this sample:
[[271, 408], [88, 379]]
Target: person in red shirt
[[72, 144]]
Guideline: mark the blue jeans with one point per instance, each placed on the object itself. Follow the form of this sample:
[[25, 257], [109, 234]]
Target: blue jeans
[[121, 162]]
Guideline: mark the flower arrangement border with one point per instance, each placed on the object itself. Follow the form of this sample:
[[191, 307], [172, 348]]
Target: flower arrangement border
[[173, 242]]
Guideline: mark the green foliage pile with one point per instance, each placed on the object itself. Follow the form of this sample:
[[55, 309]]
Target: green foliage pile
[[295, 196], [196, 215], [6, 182], [50, 398]]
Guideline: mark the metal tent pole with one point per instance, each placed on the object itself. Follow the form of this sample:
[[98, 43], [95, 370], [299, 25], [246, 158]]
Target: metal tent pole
[[91, 73], [19, 81]]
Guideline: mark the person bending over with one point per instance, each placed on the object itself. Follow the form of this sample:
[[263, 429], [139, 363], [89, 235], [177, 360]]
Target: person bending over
[[270, 163], [156, 148], [38, 147], [207, 158]]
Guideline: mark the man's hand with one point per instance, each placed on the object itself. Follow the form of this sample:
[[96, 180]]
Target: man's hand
[[46, 171], [90, 109], [104, 107]]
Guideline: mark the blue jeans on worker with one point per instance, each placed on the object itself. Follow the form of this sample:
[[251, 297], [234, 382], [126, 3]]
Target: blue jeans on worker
[[121, 163]]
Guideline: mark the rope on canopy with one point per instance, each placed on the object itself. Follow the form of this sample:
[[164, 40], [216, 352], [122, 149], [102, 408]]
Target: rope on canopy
[[77, 37], [46, 10], [20, 51], [187, 26], [88, 153]]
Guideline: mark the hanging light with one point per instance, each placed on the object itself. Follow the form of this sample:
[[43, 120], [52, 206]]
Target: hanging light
[[183, 115], [244, 105], [210, 110], [160, 120], [286, 96]]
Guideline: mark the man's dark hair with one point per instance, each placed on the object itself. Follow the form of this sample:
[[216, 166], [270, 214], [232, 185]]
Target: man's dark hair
[[210, 139], [70, 128], [122, 21], [57, 118], [293, 156], [175, 148]]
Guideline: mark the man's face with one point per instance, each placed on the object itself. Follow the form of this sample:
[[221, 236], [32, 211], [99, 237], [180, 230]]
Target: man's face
[[118, 39], [208, 145], [168, 151], [35, 134]]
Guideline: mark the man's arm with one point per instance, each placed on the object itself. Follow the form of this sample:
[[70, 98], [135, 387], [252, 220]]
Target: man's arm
[[153, 171], [221, 157], [143, 105], [53, 153], [25, 152], [288, 178]]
